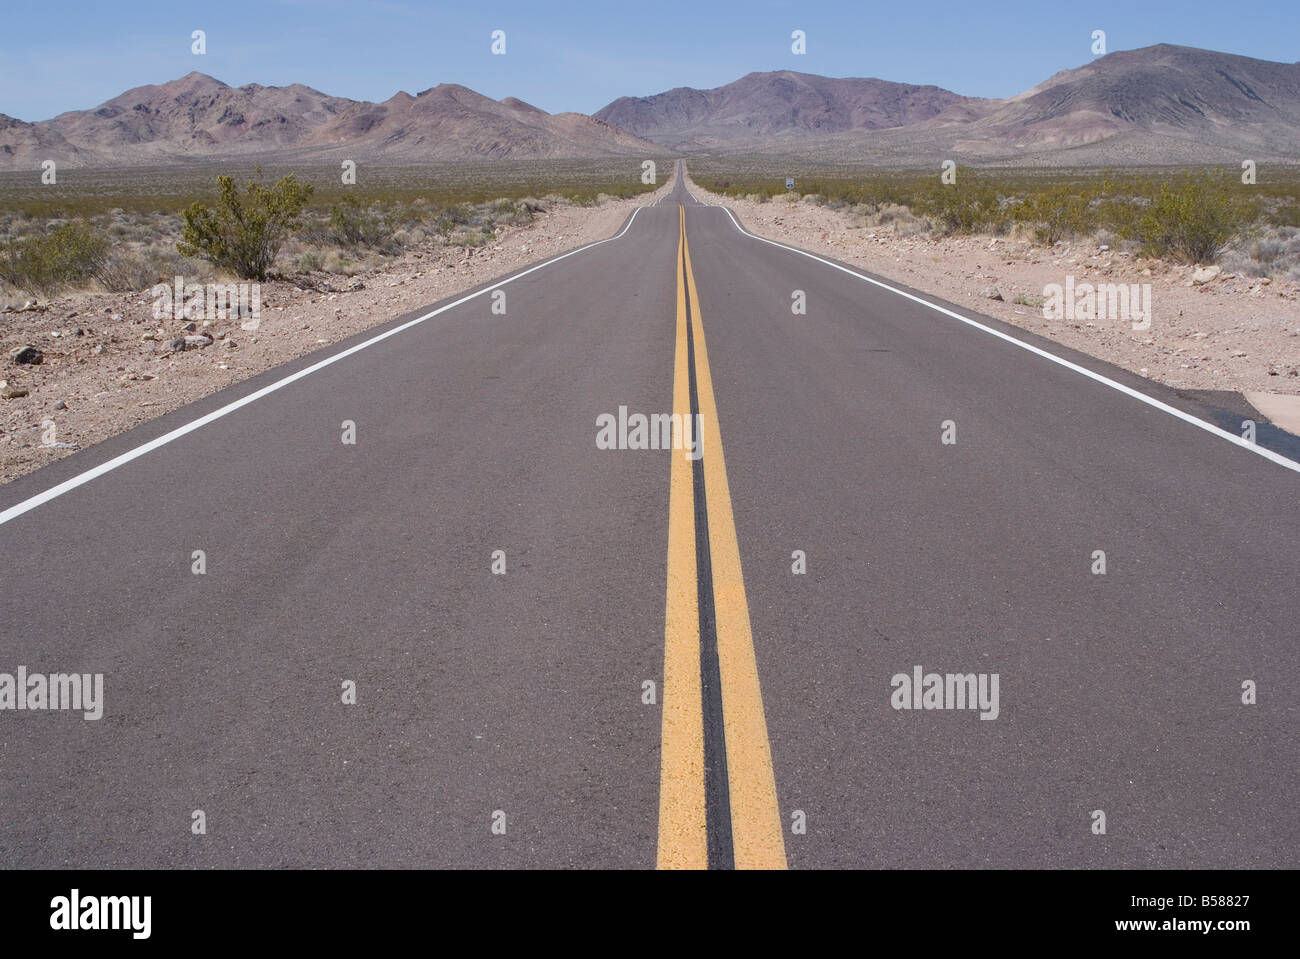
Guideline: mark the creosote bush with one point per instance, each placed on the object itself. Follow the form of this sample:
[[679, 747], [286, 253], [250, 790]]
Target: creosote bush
[[970, 205], [1193, 218], [351, 224], [44, 262], [1057, 214], [243, 234], [1188, 215]]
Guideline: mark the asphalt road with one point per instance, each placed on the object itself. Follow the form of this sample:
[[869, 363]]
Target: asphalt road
[[770, 735]]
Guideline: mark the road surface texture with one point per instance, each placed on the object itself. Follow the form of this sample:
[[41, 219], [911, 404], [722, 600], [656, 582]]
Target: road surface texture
[[686, 661]]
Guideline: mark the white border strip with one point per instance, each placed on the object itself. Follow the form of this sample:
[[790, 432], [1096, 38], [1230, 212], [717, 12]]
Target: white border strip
[[1104, 380], [121, 460]]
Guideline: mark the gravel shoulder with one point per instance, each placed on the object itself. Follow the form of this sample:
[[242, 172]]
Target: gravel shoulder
[[106, 364], [1227, 332]]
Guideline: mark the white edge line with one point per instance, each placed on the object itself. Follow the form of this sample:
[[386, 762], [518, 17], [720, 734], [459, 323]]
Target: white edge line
[[1105, 380], [82, 478]]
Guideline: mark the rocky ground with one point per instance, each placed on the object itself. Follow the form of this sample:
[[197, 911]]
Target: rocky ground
[[79, 368], [1210, 329]]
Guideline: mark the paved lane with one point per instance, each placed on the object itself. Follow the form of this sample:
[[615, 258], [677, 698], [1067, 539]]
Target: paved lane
[[1119, 692], [328, 562]]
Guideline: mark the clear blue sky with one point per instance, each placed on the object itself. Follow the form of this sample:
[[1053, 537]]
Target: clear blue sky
[[578, 56]]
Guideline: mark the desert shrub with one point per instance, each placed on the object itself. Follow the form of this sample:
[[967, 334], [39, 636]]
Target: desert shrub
[[1274, 252], [509, 213], [1192, 217], [967, 206], [909, 225], [309, 261], [128, 271], [243, 234], [64, 255], [467, 225], [1284, 211], [473, 238], [166, 263], [452, 217], [339, 262], [351, 224], [889, 212], [895, 216], [1056, 214]]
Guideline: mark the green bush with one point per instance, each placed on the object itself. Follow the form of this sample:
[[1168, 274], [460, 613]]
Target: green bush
[[44, 262], [449, 219], [1192, 217], [473, 238], [351, 224], [243, 234], [508, 212], [128, 270], [967, 206], [1057, 214]]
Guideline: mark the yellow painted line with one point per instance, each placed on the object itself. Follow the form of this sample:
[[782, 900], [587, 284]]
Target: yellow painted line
[[757, 837], [683, 842]]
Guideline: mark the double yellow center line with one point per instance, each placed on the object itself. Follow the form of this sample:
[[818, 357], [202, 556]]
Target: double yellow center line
[[710, 671]]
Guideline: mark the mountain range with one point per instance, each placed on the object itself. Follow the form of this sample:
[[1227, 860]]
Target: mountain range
[[199, 117], [1171, 102], [784, 104], [1159, 104]]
